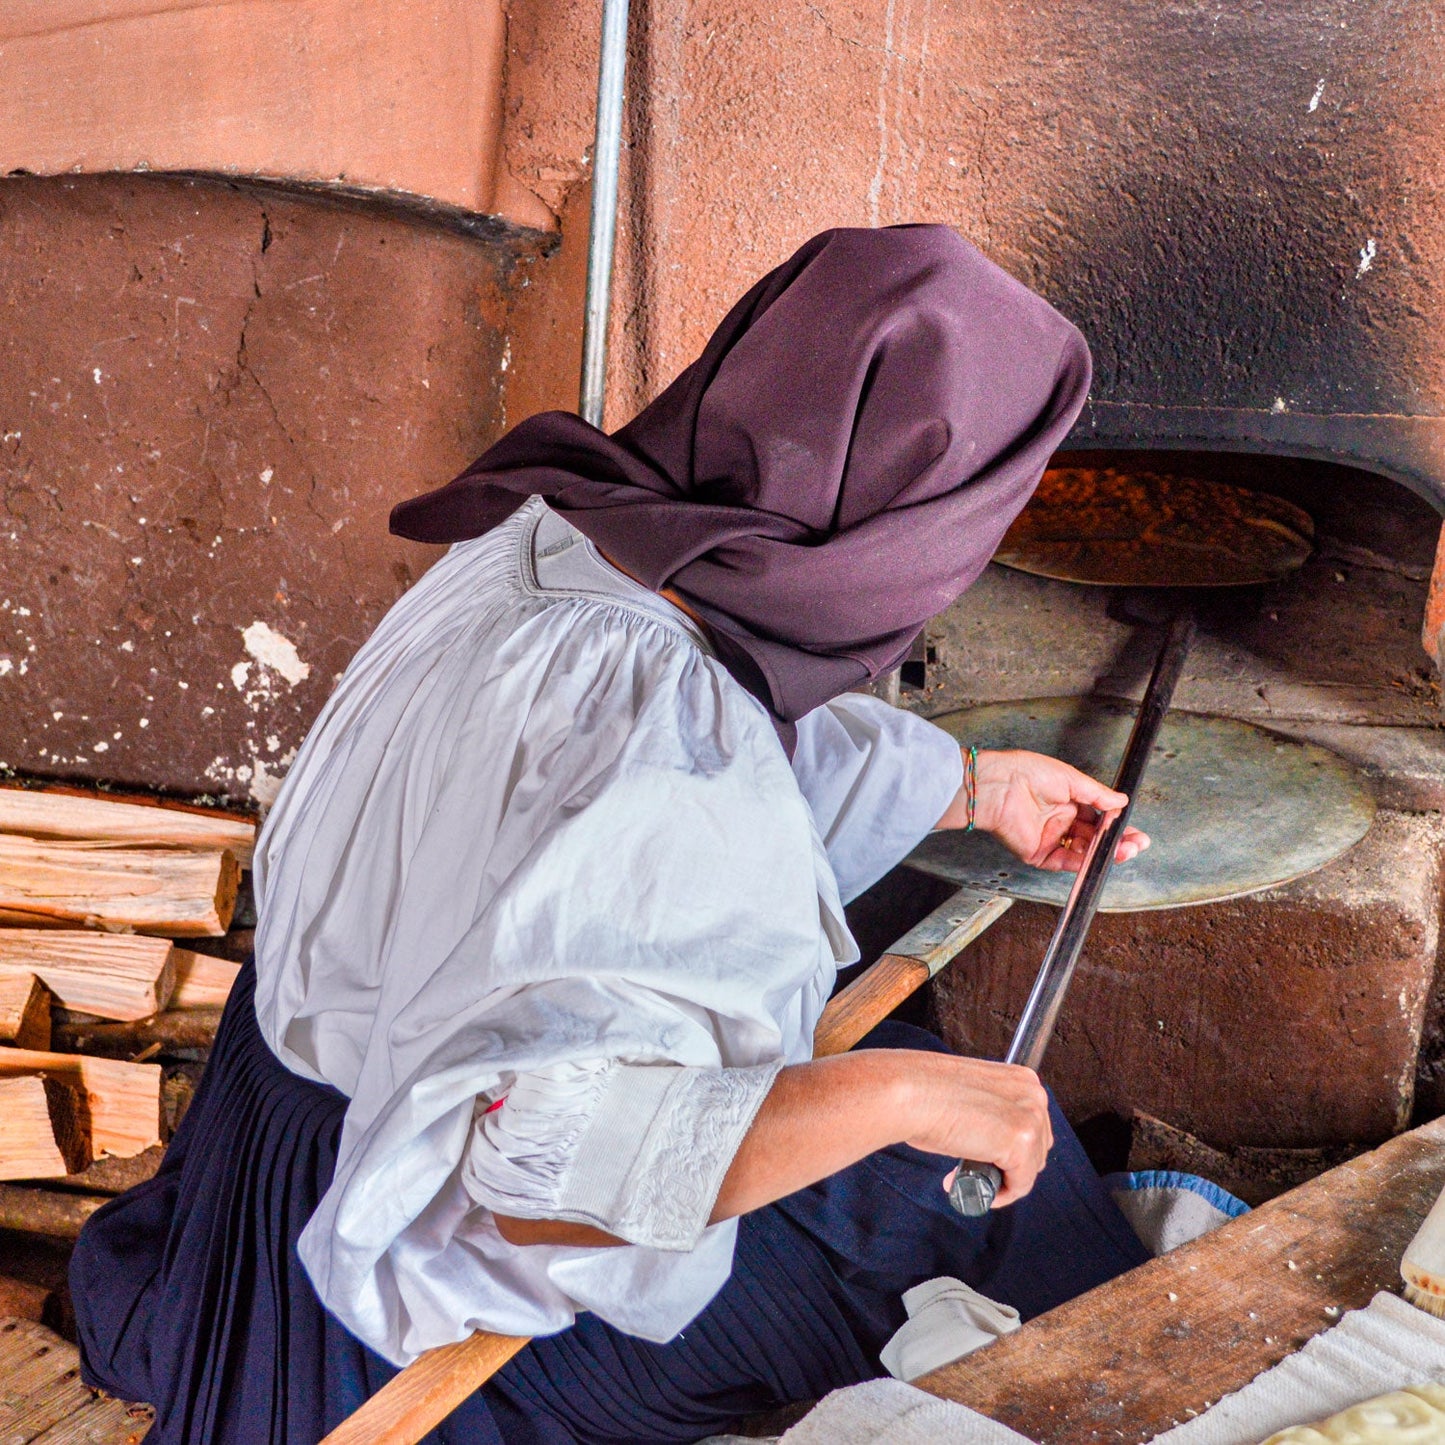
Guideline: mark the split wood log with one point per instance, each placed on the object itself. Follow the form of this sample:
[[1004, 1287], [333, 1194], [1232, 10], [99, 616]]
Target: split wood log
[[437, 1381], [171, 891], [44, 1129], [22, 1300], [115, 1176], [124, 1100], [185, 1031], [24, 1011], [110, 975], [52, 1212], [202, 981], [53, 811]]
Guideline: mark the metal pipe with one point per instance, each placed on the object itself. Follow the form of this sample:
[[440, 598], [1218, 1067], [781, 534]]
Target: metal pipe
[[977, 1183], [606, 154]]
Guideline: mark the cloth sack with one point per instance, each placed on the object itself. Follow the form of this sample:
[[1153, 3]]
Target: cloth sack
[[946, 1321], [1167, 1208]]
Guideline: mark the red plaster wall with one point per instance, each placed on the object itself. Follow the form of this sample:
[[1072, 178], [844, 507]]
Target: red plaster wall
[[210, 397]]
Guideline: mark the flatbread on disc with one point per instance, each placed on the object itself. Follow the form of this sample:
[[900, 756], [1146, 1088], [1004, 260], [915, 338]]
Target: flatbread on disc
[[1230, 808], [1107, 527]]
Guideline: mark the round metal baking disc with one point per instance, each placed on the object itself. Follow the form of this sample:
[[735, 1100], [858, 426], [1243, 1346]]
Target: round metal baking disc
[[1229, 807], [1103, 526]]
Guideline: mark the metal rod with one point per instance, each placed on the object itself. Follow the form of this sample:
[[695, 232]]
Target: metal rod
[[602, 236], [977, 1183]]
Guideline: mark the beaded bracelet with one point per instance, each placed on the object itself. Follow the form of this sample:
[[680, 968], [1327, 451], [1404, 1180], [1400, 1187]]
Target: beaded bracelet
[[970, 779]]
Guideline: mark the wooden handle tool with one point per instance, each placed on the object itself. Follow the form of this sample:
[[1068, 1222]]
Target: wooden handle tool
[[435, 1383]]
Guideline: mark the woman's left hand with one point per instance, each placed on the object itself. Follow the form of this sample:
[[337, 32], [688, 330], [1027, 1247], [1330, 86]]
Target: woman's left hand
[[1041, 809]]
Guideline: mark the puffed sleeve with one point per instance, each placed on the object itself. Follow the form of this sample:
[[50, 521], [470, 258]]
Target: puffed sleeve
[[877, 779]]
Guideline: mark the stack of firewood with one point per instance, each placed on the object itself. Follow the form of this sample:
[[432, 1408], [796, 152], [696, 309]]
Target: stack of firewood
[[96, 995]]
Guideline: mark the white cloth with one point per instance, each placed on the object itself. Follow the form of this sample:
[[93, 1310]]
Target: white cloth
[[540, 847], [947, 1320], [888, 1412], [1384, 1347]]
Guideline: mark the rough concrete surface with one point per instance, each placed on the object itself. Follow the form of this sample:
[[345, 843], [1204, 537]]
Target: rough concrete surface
[[210, 397], [1289, 1019]]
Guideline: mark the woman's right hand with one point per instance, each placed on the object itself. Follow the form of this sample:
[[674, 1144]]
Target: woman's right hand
[[973, 1109]]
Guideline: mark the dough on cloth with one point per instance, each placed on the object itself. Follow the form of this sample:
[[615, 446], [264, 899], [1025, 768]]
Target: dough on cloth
[[1412, 1416]]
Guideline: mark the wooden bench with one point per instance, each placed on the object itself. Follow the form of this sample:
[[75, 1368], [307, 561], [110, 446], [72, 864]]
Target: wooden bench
[[43, 1401], [1163, 1342]]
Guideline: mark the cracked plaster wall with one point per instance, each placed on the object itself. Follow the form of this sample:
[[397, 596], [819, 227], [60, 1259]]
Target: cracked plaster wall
[[210, 397]]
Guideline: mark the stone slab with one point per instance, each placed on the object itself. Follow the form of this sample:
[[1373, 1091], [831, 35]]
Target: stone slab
[[1289, 1019]]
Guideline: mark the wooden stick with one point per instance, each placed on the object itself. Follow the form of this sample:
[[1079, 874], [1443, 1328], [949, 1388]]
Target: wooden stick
[[186, 1031], [427, 1391], [44, 1131], [175, 892], [110, 975], [436, 1382], [202, 981], [54, 811], [124, 1100], [24, 1011], [911, 962], [46, 1211]]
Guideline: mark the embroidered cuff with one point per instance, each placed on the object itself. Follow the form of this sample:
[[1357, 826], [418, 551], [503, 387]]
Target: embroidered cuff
[[637, 1150]]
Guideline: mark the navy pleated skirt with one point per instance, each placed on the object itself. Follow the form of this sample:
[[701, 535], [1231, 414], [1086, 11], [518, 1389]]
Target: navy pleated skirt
[[189, 1293]]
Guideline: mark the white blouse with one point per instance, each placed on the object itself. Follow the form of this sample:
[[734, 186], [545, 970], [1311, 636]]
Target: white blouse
[[543, 897]]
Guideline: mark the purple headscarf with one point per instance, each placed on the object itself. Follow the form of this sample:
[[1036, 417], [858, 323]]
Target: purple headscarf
[[834, 469]]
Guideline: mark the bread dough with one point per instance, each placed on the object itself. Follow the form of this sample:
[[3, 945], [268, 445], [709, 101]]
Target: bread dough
[[1413, 1416]]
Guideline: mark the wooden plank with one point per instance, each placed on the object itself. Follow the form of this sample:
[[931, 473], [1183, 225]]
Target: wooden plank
[[112, 975], [1161, 1343], [55, 811], [24, 1011], [39, 1380], [202, 981], [124, 1099], [171, 891], [44, 1129], [103, 1421]]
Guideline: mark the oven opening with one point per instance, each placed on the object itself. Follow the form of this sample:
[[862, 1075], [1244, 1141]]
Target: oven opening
[[1261, 1038]]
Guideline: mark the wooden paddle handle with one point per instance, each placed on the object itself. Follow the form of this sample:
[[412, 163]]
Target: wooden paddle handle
[[866, 1001], [436, 1382], [427, 1391]]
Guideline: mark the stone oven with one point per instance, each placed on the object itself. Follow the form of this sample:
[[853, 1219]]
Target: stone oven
[[1243, 212]]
